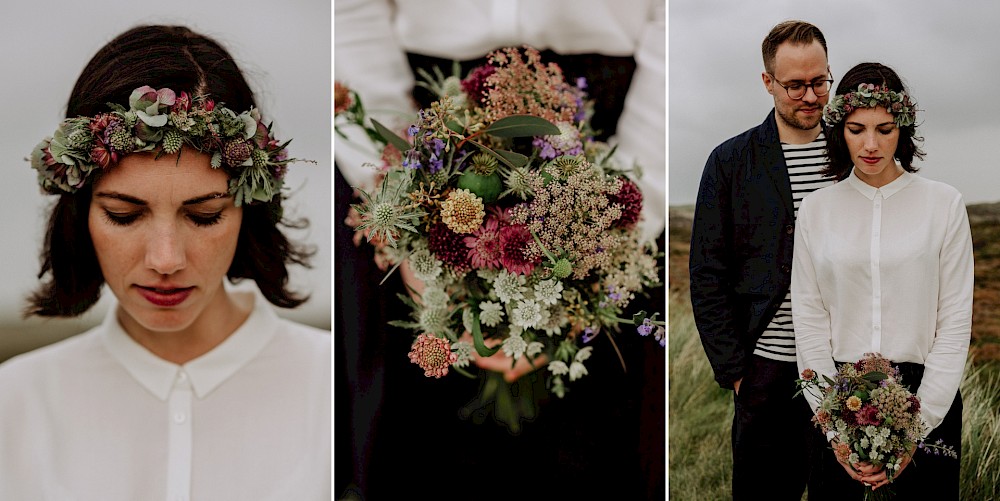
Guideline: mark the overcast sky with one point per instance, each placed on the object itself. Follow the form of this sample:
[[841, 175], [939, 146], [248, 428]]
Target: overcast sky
[[946, 52], [282, 46]]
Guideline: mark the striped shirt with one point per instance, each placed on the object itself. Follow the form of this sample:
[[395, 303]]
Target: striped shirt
[[805, 161]]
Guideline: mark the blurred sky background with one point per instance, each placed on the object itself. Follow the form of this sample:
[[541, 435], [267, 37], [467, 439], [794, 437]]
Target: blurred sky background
[[282, 47], [946, 53]]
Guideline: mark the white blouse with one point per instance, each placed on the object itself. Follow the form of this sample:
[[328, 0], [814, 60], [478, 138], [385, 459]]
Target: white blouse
[[371, 38], [886, 270], [98, 417]]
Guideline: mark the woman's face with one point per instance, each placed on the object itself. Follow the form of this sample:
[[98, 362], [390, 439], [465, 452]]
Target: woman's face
[[872, 137], [165, 232]]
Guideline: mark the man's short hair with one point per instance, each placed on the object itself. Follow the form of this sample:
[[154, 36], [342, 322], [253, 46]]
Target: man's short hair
[[797, 32]]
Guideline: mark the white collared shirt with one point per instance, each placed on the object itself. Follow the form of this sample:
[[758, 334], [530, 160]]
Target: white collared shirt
[[99, 417], [886, 270]]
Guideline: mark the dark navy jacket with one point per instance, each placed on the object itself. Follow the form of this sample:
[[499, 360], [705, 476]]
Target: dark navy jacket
[[741, 246]]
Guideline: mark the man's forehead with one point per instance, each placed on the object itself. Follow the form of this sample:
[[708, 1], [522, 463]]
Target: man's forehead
[[804, 60]]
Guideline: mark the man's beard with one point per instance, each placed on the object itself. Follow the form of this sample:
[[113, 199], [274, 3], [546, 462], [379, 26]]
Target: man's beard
[[789, 117]]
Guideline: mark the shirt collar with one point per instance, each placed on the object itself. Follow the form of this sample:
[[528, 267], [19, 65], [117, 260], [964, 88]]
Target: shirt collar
[[206, 372], [888, 190]]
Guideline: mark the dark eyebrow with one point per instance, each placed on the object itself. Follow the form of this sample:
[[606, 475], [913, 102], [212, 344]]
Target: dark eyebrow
[[876, 125], [121, 196], [138, 201], [205, 198]]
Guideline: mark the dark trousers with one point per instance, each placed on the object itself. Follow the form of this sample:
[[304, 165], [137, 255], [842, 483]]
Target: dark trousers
[[928, 476], [773, 436]]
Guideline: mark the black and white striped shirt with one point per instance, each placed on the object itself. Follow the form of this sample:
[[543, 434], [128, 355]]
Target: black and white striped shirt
[[805, 161]]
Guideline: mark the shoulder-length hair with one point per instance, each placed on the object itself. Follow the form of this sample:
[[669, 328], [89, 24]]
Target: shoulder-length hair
[[841, 162], [178, 58]]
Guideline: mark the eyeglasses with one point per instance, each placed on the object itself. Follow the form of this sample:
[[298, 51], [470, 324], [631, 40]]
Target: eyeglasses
[[797, 90]]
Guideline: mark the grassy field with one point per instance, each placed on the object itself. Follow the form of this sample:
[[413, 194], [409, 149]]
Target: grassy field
[[700, 413]]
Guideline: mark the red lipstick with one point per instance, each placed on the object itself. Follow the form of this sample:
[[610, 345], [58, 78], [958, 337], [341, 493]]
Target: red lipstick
[[165, 296]]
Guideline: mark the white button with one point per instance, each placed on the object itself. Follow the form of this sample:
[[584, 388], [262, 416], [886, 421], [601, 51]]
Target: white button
[[180, 417], [876, 327], [182, 376]]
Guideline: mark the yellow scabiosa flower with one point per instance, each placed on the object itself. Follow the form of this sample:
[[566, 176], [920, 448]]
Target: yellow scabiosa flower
[[462, 211]]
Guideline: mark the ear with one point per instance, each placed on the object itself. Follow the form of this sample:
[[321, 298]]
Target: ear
[[766, 78]]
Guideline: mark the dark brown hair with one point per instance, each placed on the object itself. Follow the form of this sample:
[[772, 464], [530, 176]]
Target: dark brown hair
[[796, 32], [177, 58], [841, 162]]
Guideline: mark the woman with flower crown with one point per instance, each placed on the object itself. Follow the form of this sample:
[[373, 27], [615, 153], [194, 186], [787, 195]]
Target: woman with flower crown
[[883, 264], [168, 181]]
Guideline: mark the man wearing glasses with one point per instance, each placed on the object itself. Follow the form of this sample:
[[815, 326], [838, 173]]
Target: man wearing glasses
[[741, 259]]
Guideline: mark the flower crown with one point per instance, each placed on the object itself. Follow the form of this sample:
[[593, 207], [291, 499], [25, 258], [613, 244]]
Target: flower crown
[[160, 119], [868, 95]]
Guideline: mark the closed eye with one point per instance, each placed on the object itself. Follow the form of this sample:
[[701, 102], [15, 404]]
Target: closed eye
[[121, 218], [205, 219]]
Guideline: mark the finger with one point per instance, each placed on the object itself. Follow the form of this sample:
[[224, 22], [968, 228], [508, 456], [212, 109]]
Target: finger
[[522, 367]]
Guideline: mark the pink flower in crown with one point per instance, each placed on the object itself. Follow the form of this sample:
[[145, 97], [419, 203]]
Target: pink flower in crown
[[101, 156], [209, 105], [433, 355], [183, 102]]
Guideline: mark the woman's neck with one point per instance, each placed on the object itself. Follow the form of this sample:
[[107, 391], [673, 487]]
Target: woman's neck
[[218, 321]]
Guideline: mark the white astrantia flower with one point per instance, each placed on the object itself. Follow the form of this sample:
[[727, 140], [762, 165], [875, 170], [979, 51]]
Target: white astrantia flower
[[534, 348], [487, 274], [577, 371], [514, 346], [464, 351], [424, 265], [548, 292], [583, 354], [527, 314], [509, 287], [558, 368], [553, 319], [490, 313]]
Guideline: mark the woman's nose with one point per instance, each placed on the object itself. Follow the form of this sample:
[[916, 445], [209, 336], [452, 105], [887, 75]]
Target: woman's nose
[[165, 250]]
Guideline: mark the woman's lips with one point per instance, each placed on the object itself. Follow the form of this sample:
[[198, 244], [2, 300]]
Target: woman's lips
[[165, 296], [871, 160]]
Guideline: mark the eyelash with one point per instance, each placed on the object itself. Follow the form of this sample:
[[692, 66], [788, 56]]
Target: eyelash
[[127, 219], [859, 131]]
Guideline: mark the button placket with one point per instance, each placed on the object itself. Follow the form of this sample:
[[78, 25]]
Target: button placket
[[179, 439], [876, 251]]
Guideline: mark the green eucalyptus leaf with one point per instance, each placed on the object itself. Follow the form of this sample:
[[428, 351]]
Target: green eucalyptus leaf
[[391, 137], [522, 126], [511, 158]]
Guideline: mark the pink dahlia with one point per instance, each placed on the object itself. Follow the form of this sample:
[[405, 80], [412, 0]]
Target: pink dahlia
[[485, 246], [515, 241], [433, 355], [448, 246], [868, 416]]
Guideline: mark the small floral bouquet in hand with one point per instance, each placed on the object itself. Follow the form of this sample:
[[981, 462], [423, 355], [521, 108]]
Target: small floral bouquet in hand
[[873, 418], [520, 225]]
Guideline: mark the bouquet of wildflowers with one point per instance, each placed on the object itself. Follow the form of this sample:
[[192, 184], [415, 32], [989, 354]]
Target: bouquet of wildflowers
[[873, 417], [521, 226]]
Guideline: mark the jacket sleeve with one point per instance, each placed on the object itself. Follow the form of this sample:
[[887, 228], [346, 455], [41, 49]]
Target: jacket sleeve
[[711, 267]]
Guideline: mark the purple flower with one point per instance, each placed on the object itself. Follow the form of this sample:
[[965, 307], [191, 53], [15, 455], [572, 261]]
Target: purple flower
[[646, 328], [411, 160], [588, 334], [581, 83], [412, 130]]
